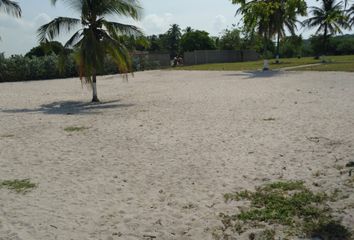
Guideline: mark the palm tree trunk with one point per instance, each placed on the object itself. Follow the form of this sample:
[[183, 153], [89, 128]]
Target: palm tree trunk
[[94, 88], [278, 48], [265, 62], [325, 40]]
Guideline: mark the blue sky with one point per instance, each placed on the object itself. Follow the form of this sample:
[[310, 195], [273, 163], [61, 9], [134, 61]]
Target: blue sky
[[19, 35]]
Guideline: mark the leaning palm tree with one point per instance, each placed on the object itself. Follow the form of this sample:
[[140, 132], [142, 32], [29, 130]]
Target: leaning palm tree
[[95, 36], [329, 19], [10, 7]]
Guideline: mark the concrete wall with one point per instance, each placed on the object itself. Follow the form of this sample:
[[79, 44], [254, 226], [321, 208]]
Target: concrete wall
[[219, 56]]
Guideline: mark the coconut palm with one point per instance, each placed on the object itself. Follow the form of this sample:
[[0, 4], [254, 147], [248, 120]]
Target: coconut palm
[[95, 36], [10, 7], [329, 19], [285, 18], [258, 15]]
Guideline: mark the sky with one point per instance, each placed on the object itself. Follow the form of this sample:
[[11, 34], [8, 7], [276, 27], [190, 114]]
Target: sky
[[18, 36]]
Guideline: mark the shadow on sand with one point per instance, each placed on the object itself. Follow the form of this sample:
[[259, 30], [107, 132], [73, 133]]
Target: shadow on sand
[[256, 74], [71, 107]]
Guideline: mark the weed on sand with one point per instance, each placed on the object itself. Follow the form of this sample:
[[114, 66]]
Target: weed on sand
[[19, 186], [75, 129], [288, 204]]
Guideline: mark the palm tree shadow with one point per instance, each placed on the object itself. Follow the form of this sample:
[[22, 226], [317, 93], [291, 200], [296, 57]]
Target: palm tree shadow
[[71, 107], [256, 74]]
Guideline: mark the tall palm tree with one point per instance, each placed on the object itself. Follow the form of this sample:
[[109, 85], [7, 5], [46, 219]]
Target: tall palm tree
[[96, 36], [173, 37], [10, 7], [257, 15], [329, 19], [285, 18]]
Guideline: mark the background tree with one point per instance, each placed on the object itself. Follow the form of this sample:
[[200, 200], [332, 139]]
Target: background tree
[[196, 40], [172, 40], [291, 46], [188, 29], [329, 19], [97, 36], [230, 40], [155, 44], [45, 49]]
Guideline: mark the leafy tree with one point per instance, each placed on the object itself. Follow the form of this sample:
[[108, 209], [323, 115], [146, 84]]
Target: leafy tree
[[196, 40], [291, 46], [329, 19], [251, 40], [230, 40], [97, 36], [155, 44], [46, 48]]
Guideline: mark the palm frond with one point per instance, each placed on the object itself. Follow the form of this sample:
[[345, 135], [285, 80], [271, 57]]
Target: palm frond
[[10, 7], [130, 8], [53, 29], [119, 53], [74, 39], [122, 29]]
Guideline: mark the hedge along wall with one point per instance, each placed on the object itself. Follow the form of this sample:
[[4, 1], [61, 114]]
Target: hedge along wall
[[20, 68]]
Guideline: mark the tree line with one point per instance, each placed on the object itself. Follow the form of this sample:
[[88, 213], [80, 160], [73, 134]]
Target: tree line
[[268, 27]]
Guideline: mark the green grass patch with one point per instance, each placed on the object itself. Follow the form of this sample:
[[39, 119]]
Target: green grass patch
[[254, 65], [290, 204], [333, 63], [75, 129], [19, 186]]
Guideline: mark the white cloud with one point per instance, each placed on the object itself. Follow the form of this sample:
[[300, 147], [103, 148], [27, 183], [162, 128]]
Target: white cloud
[[19, 35], [41, 19], [157, 24], [219, 23]]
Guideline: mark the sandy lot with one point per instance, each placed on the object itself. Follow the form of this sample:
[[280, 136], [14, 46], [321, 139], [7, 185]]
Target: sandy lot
[[162, 149]]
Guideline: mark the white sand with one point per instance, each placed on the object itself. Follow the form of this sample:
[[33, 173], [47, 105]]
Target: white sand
[[164, 148]]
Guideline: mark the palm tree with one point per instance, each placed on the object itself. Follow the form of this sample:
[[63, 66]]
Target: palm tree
[[10, 7], [96, 37], [173, 37], [258, 15], [329, 18], [285, 18]]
